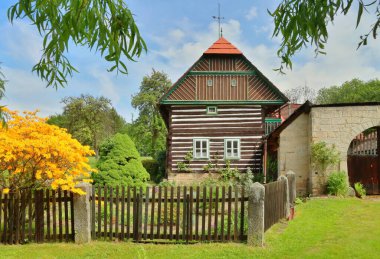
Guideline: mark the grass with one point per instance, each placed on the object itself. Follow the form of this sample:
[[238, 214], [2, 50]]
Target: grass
[[323, 228]]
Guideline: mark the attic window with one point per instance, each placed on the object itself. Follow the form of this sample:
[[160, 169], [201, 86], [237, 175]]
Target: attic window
[[212, 110], [209, 82], [233, 82]]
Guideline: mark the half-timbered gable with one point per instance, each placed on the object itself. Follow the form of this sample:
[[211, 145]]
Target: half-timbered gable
[[216, 111]]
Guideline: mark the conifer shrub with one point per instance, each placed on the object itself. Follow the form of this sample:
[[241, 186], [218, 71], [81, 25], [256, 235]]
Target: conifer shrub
[[119, 163]]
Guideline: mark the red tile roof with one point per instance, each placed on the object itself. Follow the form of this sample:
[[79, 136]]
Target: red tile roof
[[222, 46]]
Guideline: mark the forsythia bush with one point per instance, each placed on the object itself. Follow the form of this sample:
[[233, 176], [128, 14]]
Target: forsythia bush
[[35, 154]]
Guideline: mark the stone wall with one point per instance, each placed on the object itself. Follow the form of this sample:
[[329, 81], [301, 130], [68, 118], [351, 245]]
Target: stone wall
[[188, 178], [338, 126], [294, 152]]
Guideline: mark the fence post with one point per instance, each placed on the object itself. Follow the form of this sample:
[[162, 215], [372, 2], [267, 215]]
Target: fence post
[[82, 214], [256, 195], [292, 191], [286, 198]]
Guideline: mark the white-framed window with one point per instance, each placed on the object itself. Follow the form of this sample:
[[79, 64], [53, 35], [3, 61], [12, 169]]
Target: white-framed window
[[211, 110], [209, 82], [201, 148], [233, 82], [232, 148]]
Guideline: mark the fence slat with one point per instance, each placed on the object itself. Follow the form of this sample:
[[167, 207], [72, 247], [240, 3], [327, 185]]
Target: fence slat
[[165, 210], [222, 213], [60, 215], [11, 218], [5, 236], [184, 211], [152, 214], [66, 216], [117, 213], [48, 214], [23, 215], [128, 212], [105, 212], [146, 213], [99, 212], [159, 213], [190, 217], [171, 212], [236, 195], [242, 214], [122, 228], [54, 216], [1, 210], [209, 214], [177, 213], [17, 218], [216, 214], [197, 214], [111, 213], [204, 214]]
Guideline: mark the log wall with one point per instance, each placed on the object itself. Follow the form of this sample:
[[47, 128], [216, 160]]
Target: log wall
[[240, 121]]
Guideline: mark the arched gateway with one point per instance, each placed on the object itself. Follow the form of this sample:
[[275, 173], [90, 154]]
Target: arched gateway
[[335, 124]]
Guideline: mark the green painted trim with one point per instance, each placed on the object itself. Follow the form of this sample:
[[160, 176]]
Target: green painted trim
[[274, 102], [234, 73], [272, 120]]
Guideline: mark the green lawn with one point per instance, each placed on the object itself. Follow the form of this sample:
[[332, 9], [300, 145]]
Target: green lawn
[[323, 228]]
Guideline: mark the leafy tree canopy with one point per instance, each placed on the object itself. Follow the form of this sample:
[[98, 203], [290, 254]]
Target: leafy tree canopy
[[89, 119], [303, 23], [352, 91], [107, 26], [149, 131], [119, 163]]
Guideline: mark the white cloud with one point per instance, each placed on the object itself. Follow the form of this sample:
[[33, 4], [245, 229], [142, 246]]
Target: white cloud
[[251, 14]]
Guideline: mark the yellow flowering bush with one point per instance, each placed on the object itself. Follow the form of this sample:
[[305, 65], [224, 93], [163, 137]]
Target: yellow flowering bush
[[34, 154]]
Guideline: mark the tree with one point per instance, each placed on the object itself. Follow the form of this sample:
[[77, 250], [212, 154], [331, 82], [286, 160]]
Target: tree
[[301, 94], [352, 91], [89, 119], [119, 163], [107, 26], [35, 154], [302, 23], [149, 131]]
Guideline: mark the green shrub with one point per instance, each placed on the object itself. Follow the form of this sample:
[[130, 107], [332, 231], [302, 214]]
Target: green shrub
[[151, 166], [161, 160], [119, 163], [337, 183], [360, 191]]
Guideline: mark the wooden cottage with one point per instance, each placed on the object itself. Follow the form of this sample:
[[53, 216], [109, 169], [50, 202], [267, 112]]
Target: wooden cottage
[[217, 112]]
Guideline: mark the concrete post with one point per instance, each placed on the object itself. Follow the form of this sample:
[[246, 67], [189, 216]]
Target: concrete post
[[82, 214], [292, 191], [256, 195], [286, 198]]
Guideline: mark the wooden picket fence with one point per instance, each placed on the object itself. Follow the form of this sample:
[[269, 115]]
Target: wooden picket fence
[[274, 203], [36, 216], [185, 214]]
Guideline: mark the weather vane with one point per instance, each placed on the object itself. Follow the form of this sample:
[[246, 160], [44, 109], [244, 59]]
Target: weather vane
[[219, 18]]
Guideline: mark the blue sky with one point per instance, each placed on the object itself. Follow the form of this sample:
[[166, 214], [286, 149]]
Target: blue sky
[[177, 33]]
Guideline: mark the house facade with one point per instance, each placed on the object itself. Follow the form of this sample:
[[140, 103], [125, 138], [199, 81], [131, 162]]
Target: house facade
[[216, 114]]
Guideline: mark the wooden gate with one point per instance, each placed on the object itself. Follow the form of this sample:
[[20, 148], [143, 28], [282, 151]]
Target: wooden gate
[[363, 161]]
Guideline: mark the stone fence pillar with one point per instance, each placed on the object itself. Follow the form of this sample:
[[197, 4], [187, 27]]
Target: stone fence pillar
[[286, 198], [82, 214], [256, 195], [292, 191]]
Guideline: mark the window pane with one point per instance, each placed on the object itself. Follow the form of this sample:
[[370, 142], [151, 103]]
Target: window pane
[[197, 144], [235, 144], [228, 144]]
